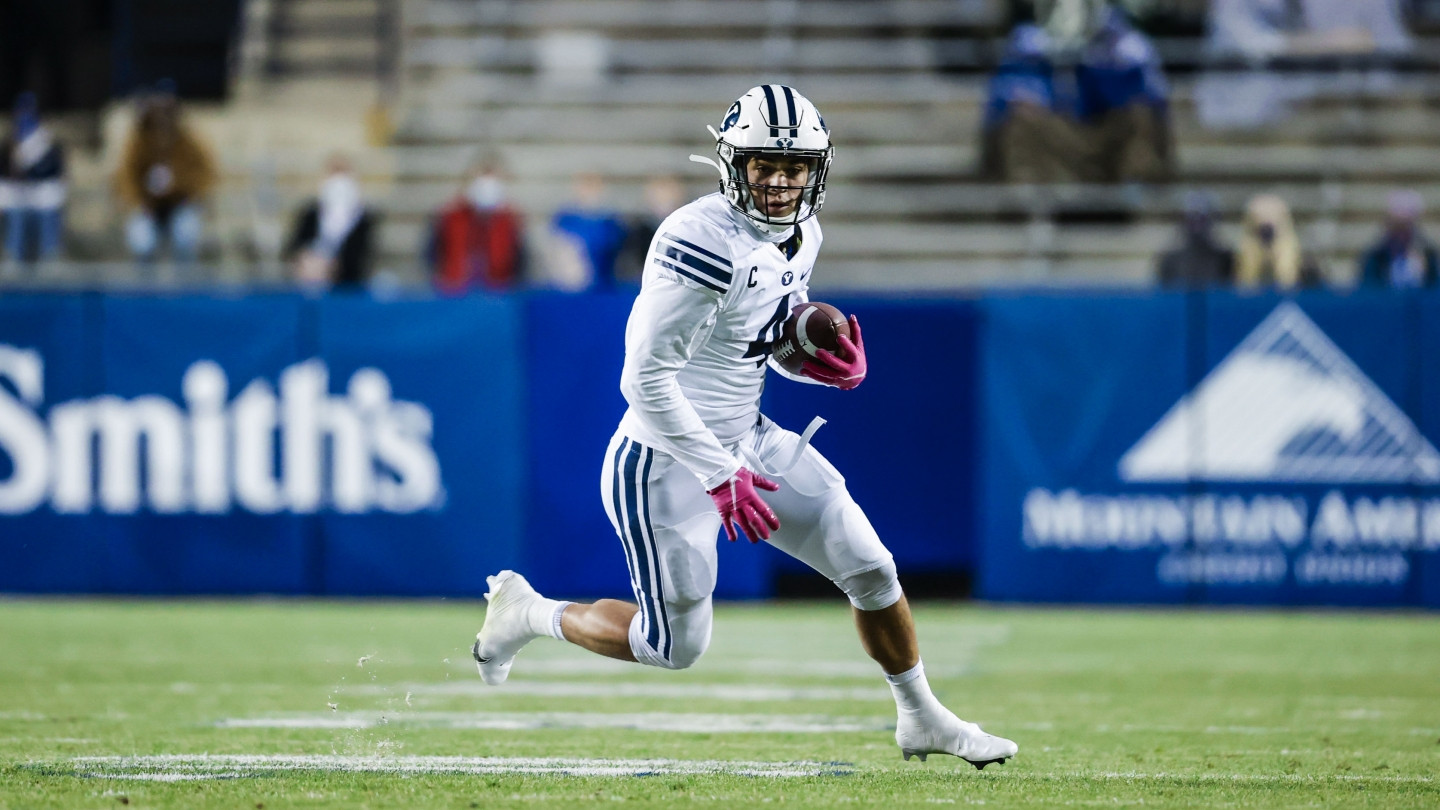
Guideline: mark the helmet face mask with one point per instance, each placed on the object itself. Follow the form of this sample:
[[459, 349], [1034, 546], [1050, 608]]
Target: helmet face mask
[[775, 151]]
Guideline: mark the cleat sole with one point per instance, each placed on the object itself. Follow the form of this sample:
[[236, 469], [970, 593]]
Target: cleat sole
[[980, 766]]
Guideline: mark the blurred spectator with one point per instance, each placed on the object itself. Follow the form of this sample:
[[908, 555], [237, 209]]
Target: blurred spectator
[[1265, 29], [1403, 257], [1123, 97], [1200, 260], [164, 176], [1069, 22], [476, 241], [32, 188], [587, 235], [1270, 254], [1028, 136], [331, 242], [1255, 32], [663, 195]]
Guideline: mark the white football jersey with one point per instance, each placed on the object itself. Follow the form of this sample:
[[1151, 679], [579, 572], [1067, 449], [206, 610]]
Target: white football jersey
[[712, 301]]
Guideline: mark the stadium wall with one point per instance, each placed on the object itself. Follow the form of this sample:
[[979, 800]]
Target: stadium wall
[[1202, 448]]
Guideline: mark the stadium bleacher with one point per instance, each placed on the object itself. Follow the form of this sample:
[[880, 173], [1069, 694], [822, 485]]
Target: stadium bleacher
[[416, 90]]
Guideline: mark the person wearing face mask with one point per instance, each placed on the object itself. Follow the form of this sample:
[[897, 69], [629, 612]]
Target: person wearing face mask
[[476, 240], [331, 244], [164, 177], [32, 188], [1270, 254]]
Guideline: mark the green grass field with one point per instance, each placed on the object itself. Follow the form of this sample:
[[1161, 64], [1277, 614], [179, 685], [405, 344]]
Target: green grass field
[[260, 704]]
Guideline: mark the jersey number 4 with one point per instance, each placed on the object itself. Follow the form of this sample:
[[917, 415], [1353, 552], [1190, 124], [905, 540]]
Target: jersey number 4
[[769, 333]]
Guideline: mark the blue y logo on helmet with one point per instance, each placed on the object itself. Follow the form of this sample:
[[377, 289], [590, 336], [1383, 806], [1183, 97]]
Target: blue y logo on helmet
[[732, 117], [785, 143]]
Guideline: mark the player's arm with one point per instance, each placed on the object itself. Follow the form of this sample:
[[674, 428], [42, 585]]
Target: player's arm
[[669, 320]]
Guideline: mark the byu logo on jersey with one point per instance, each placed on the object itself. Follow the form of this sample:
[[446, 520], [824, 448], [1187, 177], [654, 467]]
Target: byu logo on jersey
[[1285, 405], [787, 278]]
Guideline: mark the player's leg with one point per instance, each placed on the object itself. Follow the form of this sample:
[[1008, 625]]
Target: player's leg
[[822, 526], [667, 526]]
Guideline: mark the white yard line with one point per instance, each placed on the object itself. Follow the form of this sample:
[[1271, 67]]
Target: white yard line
[[183, 767], [717, 664], [517, 721], [738, 692]]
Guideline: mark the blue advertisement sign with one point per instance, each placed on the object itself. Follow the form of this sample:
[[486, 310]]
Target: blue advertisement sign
[[1207, 448], [272, 444]]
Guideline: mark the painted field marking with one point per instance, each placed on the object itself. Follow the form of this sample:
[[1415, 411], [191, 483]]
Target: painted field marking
[[631, 689], [188, 767], [522, 721], [715, 664]]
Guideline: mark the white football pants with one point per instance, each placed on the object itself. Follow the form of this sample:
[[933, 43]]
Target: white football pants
[[669, 528]]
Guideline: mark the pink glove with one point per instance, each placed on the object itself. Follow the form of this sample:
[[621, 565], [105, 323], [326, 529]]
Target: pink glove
[[740, 505], [845, 370]]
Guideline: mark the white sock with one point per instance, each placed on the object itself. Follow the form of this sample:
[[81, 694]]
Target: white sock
[[544, 617], [912, 691]]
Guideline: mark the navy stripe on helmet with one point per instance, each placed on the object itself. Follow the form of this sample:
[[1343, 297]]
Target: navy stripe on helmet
[[774, 113], [688, 245], [794, 118], [668, 641], [691, 275], [709, 268]]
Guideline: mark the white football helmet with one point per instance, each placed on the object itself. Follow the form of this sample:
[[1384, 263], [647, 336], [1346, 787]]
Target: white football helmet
[[775, 121]]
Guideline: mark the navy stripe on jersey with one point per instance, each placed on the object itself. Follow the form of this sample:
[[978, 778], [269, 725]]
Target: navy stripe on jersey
[[720, 261], [774, 113], [709, 268], [693, 276], [793, 119]]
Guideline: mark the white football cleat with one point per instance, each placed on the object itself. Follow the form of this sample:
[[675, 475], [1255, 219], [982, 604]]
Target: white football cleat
[[506, 628], [947, 734]]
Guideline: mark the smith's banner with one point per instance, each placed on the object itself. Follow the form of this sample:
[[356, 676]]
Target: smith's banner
[[268, 443], [1210, 448]]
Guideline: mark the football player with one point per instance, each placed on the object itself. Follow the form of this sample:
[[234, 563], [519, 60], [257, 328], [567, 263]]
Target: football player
[[694, 454]]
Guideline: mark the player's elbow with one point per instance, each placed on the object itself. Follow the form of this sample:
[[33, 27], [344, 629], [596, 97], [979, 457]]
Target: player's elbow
[[638, 387]]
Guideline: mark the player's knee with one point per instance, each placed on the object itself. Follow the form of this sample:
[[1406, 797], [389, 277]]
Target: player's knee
[[687, 641], [674, 638], [686, 652], [875, 589]]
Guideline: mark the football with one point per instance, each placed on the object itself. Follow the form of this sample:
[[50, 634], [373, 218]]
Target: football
[[812, 326]]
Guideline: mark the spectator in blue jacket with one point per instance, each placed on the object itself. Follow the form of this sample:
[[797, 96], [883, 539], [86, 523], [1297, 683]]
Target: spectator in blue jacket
[[1403, 258], [32, 188], [586, 238], [1029, 134], [1122, 95]]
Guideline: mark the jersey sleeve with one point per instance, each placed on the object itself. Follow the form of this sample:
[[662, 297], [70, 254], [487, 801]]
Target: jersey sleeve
[[671, 317], [693, 253]]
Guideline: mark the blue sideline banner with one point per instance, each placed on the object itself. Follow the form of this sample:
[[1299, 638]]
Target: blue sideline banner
[[262, 444], [1210, 448], [905, 439]]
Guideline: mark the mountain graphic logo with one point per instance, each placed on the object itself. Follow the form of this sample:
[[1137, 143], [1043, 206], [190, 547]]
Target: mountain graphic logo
[[1286, 405]]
